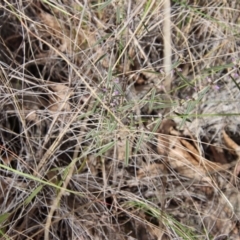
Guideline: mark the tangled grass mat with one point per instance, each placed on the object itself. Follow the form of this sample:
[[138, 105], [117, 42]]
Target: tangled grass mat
[[119, 119]]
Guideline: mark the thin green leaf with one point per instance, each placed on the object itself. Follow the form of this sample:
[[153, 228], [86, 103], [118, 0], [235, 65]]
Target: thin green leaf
[[235, 82], [152, 99], [31, 177], [192, 105], [184, 79], [100, 58], [33, 194], [139, 143], [56, 7], [105, 148], [156, 127], [4, 217]]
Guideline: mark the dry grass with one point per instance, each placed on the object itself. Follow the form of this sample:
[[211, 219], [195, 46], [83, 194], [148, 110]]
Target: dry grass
[[84, 88]]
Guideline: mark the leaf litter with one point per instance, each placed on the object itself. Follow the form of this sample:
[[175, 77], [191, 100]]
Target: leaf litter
[[83, 91]]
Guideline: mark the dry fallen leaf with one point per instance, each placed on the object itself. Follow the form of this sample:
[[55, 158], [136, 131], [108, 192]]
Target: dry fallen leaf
[[221, 216], [221, 208], [183, 156], [233, 146], [151, 170], [60, 98]]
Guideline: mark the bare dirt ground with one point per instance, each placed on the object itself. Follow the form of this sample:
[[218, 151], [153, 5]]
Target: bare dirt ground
[[119, 119]]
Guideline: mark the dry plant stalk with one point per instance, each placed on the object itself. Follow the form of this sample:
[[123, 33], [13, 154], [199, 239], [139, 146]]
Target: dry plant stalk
[[167, 37]]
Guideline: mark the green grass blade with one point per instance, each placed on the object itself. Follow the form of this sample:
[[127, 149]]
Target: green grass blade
[[33, 194], [105, 148]]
